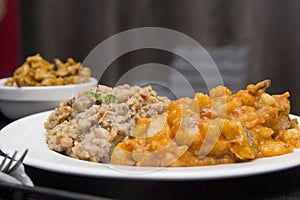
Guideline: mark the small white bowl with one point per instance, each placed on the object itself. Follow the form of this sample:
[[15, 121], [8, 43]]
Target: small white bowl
[[17, 102]]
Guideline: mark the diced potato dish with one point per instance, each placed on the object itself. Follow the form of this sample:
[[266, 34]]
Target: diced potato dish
[[219, 128]]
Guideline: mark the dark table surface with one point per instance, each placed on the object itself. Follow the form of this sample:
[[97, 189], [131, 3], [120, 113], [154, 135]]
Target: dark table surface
[[278, 185]]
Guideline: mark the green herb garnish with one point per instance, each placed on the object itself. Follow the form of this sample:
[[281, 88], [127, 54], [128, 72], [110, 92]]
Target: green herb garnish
[[110, 98], [97, 97]]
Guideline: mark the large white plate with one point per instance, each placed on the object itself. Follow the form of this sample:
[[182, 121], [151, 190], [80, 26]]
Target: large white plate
[[28, 133]]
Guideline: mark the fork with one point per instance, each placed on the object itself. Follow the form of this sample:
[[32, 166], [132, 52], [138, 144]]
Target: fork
[[9, 168]]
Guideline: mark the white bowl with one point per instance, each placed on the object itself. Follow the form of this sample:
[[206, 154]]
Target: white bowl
[[17, 102]]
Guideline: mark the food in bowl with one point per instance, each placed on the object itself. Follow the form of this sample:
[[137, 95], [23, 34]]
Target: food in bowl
[[36, 71], [38, 85], [17, 102], [221, 128], [89, 126]]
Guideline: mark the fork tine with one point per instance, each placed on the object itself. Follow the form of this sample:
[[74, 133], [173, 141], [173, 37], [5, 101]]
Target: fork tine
[[19, 162], [2, 153], [3, 162], [5, 170]]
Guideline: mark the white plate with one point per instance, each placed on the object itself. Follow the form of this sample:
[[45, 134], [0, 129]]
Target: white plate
[[29, 133]]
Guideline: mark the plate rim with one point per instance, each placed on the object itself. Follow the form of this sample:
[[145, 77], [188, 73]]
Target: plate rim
[[161, 174]]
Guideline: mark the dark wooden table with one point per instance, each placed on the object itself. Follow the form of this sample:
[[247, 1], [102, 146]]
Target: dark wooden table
[[279, 185]]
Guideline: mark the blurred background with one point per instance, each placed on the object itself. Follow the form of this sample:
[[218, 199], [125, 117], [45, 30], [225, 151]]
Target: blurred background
[[249, 40]]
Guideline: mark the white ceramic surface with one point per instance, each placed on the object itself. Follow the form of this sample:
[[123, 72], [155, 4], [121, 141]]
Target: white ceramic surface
[[19, 102], [22, 134]]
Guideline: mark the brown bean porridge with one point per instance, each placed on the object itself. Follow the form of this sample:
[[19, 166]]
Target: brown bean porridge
[[88, 127]]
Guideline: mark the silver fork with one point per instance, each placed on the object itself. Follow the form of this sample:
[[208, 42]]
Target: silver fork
[[9, 168]]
